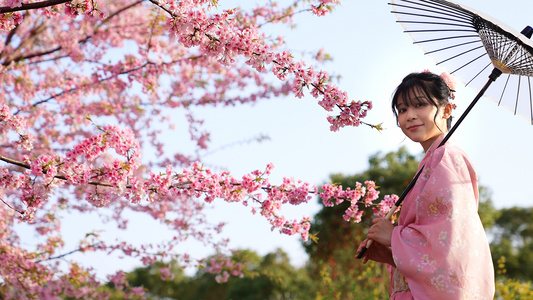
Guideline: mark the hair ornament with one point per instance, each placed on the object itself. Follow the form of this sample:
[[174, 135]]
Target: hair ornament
[[451, 82]]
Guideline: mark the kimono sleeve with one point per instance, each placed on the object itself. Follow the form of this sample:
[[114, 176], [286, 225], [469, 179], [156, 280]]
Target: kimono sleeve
[[440, 245]]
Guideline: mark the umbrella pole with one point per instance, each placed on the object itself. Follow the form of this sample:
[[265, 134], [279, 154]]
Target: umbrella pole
[[492, 77]]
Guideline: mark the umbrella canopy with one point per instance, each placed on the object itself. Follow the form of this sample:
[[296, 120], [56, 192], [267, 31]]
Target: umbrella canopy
[[470, 45]]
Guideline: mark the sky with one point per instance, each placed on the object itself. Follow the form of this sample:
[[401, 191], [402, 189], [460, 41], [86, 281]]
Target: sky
[[371, 54]]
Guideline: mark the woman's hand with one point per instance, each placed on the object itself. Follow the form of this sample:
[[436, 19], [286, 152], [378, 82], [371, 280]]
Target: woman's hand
[[379, 250], [381, 231], [376, 252]]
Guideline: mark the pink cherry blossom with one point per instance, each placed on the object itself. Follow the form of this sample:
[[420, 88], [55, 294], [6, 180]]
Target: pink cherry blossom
[[76, 117]]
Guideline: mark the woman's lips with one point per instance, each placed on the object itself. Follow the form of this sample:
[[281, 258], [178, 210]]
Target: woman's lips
[[415, 127]]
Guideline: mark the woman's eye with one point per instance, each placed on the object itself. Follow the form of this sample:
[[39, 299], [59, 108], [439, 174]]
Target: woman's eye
[[402, 110], [420, 104]]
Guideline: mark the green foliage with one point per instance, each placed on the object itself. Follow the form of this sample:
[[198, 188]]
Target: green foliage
[[268, 277], [275, 279], [513, 239], [391, 172], [150, 278], [334, 268], [508, 288], [487, 212]]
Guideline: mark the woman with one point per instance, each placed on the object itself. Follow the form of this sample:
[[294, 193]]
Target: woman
[[439, 249]]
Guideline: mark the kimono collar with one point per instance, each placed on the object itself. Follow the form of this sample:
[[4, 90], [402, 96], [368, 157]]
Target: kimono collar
[[435, 144]]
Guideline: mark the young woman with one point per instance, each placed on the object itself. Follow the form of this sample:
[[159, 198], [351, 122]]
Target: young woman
[[439, 249]]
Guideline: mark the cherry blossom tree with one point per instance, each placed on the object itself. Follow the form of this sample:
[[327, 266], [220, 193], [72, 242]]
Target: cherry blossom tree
[[88, 86]]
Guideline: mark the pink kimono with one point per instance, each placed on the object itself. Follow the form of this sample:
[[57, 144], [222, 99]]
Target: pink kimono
[[439, 246]]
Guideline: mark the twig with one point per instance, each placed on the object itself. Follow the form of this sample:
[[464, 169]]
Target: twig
[[68, 253], [27, 166], [20, 212]]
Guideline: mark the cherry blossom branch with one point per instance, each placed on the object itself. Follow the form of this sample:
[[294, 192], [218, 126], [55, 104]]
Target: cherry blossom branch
[[39, 28], [31, 6], [37, 54], [319, 10], [99, 81], [278, 18], [197, 29], [80, 41], [178, 177], [15, 162], [118, 11], [191, 183], [61, 177], [156, 3], [197, 182], [104, 170]]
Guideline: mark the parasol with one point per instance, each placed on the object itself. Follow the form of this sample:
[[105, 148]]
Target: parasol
[[471, 44], [476, 48]]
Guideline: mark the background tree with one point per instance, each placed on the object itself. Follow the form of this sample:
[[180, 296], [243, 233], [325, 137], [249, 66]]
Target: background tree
[[274, 279], [268, 277], [334, 254], [150, 278], [512, 240]]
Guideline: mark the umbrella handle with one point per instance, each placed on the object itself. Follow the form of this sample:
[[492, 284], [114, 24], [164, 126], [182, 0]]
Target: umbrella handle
[[388, 217]]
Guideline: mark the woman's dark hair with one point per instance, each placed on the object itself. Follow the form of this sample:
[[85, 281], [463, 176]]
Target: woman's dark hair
[[433, 87]]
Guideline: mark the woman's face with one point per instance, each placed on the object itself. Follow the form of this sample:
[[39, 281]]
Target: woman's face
[[418, 121]]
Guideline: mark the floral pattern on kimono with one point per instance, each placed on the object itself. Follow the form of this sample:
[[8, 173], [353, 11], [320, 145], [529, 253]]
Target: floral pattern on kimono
[[439, 245]]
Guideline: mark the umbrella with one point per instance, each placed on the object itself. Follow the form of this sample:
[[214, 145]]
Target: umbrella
[[473, 46]]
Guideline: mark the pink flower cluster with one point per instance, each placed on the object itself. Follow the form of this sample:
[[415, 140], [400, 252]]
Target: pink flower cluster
[[115, 172], [85, 7], [9, 21], [200, 182], [48, 172], [9, 122], [323, 8], [450, 80], [223, 266], [45, 167], [120, 282], [335, 195], [383, 208], [166, 274]]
